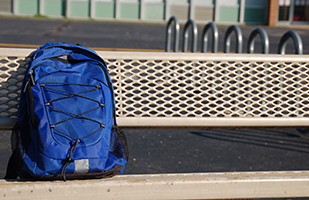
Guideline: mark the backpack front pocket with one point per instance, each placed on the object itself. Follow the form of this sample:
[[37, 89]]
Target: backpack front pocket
[[75, 109]]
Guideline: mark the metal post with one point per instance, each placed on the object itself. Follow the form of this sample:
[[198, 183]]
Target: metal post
[[227, 39], [41, 7], [217, 7], [67, 9], [186, 36], [167, 10], [142, 9], [215, 37], [264, 38], [92, 9], [117, 9], [14, 7], [191, 10], [242, 6], [297, 41], [174, 20]]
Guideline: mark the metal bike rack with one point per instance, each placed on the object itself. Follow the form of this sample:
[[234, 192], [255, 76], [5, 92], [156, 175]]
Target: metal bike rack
[[297, 41], [227, 39], [264, 37], [192, 24], [172, 20], [215, 37]]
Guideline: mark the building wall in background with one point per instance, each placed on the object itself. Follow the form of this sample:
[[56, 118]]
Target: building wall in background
[[154, 11], [105, 9], [79, 9], [229, 11], [28, 7], [54, 8], [201, 11], [5, 6], [256, 11]]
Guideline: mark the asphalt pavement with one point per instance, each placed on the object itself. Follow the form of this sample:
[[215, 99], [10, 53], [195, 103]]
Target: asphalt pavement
[[113, 35], [170, 150]]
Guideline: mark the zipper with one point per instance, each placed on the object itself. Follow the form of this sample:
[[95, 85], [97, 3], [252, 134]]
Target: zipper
[[69, 48]]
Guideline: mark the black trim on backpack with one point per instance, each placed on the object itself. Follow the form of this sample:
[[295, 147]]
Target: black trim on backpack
[[31, 105], [94, 175], [123, 140], [14, 164], [12, 167]]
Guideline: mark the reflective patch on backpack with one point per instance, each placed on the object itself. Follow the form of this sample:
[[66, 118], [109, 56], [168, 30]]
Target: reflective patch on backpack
[[81, 166]]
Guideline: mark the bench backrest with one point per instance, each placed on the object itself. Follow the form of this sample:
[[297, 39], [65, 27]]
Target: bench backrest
[[189, 90]]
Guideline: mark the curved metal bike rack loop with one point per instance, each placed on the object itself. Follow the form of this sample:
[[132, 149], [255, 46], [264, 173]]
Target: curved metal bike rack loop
[[227, 39], [297, 41], [215, 37], [186, 36], [264, 38], [169, 34]]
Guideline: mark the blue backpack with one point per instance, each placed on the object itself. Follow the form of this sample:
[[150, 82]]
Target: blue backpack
[[66, 125]]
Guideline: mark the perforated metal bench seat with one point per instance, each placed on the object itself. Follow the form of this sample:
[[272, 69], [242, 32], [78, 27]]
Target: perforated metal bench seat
[[190, 90]]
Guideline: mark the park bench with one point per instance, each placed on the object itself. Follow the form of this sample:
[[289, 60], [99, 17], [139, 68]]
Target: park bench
[[182, 90]]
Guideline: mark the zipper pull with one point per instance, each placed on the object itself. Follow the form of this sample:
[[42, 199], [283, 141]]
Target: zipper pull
[[31, 78]]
